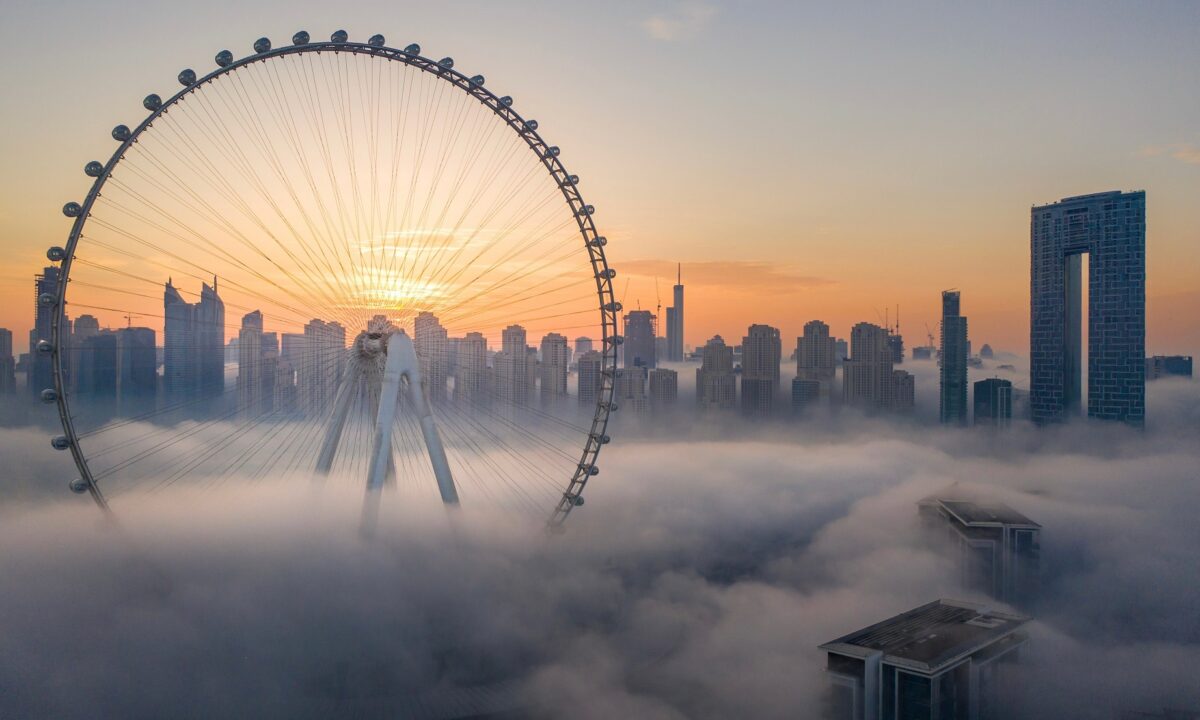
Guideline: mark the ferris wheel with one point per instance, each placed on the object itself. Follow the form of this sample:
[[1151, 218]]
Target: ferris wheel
[[341, 262]]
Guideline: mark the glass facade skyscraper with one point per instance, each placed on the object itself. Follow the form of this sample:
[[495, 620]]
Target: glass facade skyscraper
[[1110, 228]]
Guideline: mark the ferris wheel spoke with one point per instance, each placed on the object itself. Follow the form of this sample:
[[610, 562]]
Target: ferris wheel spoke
[[341, 193]]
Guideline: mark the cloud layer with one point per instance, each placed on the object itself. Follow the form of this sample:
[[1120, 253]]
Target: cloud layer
[[696, 582]]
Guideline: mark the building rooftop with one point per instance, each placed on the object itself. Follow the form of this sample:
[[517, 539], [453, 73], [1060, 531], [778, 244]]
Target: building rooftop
[[980, 514], [932, 637]]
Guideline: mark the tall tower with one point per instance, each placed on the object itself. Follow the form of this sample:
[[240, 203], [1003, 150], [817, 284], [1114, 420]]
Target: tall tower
[[250, 364], [41, 368], [716, 385], [675, 320], [815, 355], [954, 361], [210, 341], [432, 345], [8, 364], [1110, 228], [556, 354], [640, 331], [761, 351], [867, 374]]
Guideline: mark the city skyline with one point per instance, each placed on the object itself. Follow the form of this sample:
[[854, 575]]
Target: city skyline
[[667, 359], [812, 262]]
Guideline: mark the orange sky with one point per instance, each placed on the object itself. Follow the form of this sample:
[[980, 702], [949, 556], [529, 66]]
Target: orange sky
[[868, 164]]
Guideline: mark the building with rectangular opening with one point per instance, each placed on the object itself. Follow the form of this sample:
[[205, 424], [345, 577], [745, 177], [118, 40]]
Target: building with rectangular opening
[[1110, 228]]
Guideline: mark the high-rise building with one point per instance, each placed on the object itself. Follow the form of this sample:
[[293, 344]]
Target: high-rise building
[[675, 321], [95, 365], [945, 659], [816, 355], [553, 368], [629, 389], [137, 363], [1161, 366], [867, 374], [986, 352], [8, 363], [591, 364], [321, 365], [805, 394], [896, 343], [582, 345], [641, 327], [210, 341], [841, 351], [470, 370], [664, 389], [716, 383], [1110, 228], [954, 361], [903, 392], [993, 402], [193, 343], [432, 345], [761, 354], [84, 327], [996, 548], [250, 364], [41, 371], [512, 366]]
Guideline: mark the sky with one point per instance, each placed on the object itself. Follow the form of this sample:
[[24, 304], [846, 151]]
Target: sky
[[801, 160]]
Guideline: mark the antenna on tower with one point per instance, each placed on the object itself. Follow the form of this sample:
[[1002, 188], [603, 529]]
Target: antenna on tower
[[679, 274]]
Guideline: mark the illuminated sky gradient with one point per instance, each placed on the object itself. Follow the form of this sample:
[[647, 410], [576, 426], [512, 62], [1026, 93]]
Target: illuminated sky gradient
[[801, 161]]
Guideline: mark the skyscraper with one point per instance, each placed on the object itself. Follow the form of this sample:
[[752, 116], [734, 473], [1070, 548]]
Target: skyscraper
[[664, 389], [805, 394], [945, 659], [1110, 228], [816, 355], [954, 361], [250, 364], [867, 374], [552, 369], [1161, 366], [320, 369], [590, 367], [512, 367], [470, 371], [675, 321], [137, 364], [582, 345], [716, 385], [640, 331], [431, 342], [8, 363], [41, 371], [993, 402], [761, 351], [193, 343], [903, 391], [630, 389]]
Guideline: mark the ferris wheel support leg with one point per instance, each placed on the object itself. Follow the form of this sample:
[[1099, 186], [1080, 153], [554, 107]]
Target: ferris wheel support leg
[[341, 409]]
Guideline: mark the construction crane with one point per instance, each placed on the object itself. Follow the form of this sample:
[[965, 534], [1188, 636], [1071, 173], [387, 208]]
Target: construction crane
[[129, 320], [929, 333]]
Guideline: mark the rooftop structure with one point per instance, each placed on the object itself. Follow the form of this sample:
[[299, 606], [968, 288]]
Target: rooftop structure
[[997, 548], [941, 660]]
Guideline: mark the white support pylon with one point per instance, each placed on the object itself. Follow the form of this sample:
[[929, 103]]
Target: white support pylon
[[401, 368]]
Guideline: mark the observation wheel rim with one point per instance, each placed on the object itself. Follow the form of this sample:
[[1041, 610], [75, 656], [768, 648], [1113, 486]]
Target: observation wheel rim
[[593, 245]]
